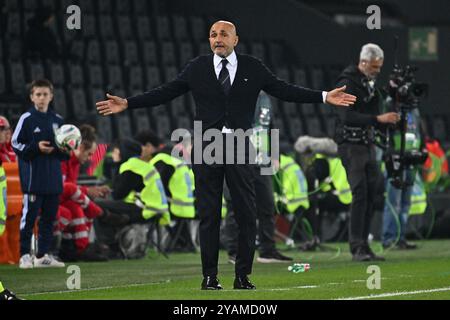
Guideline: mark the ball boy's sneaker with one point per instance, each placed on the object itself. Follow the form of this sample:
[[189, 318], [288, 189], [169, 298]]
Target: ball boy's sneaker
[[48, 261], [26, 262]]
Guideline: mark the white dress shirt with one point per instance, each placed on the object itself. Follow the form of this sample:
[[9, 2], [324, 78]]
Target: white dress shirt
[[231, 65]]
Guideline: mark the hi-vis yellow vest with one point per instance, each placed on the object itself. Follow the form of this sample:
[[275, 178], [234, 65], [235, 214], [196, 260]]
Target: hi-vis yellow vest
[[337, 177], [418, 197], [152, 199], [2, 200], [181, 186], [294, 184]]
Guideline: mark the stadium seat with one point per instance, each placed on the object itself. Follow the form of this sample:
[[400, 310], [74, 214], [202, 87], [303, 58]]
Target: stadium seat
[[49, 3], [179, 27], [241, 48], [144, 30], [308, 109], [163, 127], [314, 127], [95, 75], [204, 48], [105, 6], [125, 27], [257, 49], [162, 28], [296, 128], [106, 27], [104, 129], [30, 5], [35, 71], [333, 74], [153, 77], [279, 124], [56, 73], [135, 78], [13, 26], [112, 53], [291, 109], [190, 103], [93, 51], [141, 119], [123, 7], [183, 121], [89, 29], [77, 49], [140, 7], [17, 76], [115, 77], [2, 80], [178, 107], [186, 53], [168, 53], [11, 5], [1, 47], [330, 126], [60, 103], [124, 125], [300, 78], [198, 29], [170, 73], [276, 54], [87, 6], [149, 53], [76, 75], [14, 49], [325, 110], [79, 106], [317, 79]]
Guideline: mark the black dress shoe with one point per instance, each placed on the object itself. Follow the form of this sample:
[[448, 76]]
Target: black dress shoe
[[373, 256], [211, 283], [361, 255], [243, 283]]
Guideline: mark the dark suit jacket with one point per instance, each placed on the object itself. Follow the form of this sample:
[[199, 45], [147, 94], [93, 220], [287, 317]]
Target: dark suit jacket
[[213, 107]]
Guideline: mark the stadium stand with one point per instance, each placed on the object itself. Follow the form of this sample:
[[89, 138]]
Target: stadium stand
[[129, 46]]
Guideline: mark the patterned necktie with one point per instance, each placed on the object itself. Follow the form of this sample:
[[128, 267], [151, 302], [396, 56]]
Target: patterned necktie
[[224, 77]]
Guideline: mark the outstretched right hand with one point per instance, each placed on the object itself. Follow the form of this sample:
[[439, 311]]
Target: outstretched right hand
[[114, 104]]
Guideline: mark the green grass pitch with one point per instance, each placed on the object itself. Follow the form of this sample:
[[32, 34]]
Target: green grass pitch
[[417, 274]]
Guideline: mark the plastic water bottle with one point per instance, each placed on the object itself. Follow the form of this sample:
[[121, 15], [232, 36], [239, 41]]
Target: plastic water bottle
[[299, 267]]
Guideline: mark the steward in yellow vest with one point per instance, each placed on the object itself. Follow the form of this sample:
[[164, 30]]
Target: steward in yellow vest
[[328, 187]]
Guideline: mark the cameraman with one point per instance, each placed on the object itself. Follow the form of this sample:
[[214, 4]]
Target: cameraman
[[401, 165], [355, 127]]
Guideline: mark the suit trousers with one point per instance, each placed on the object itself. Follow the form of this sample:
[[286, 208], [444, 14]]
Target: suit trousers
[[265, 213], [209, 180], [363, 173]]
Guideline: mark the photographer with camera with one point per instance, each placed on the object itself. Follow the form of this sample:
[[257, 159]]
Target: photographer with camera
[[405, 152], [355, 136]]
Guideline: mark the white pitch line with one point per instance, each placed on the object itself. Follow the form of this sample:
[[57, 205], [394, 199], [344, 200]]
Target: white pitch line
[[97, 288], [394, 294]]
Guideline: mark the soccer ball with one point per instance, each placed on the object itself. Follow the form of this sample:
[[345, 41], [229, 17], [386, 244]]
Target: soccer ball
[[67, 137]]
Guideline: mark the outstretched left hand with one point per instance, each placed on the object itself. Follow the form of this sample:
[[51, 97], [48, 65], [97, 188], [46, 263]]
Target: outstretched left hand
[[339, 98]]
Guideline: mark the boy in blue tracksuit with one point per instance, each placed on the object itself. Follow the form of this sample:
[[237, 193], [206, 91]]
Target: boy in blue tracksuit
[[40, 174]]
